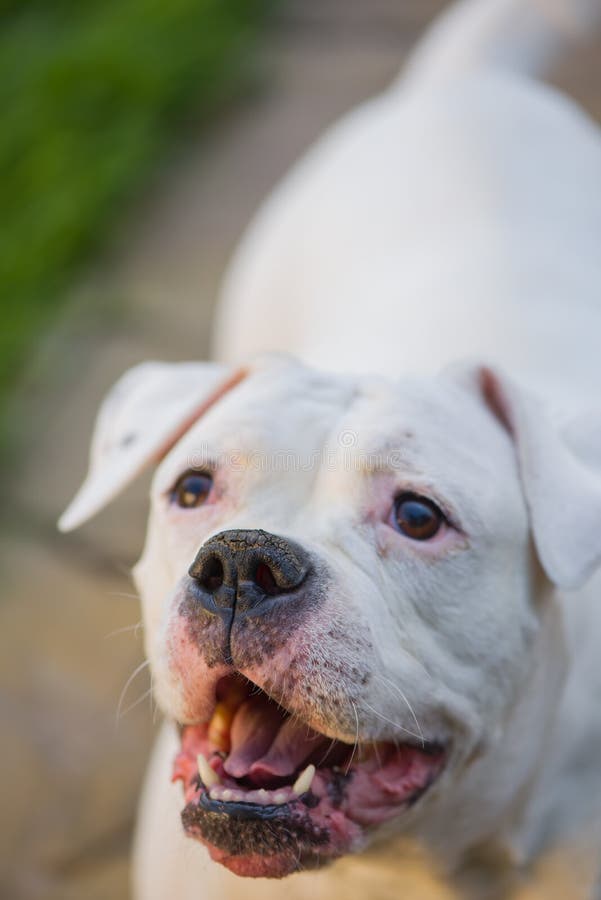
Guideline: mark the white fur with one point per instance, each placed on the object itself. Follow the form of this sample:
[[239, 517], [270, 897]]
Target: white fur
[[456, 217]]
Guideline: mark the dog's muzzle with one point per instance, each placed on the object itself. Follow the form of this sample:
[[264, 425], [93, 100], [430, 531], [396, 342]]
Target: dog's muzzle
[[248, 571]]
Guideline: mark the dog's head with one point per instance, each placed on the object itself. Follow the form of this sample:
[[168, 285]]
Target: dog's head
[[348, 596]]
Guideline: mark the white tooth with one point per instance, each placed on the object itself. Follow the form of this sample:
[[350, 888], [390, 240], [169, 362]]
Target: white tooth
[[216, 792], [304, 780], [227, 795], [260, 796], [280, 798], [208, 775]]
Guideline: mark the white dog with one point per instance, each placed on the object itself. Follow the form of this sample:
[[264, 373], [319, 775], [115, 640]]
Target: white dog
[[370, 587]]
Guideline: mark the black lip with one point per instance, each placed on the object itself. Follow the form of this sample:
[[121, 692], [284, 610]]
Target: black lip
[[244, 829], [239, 810]]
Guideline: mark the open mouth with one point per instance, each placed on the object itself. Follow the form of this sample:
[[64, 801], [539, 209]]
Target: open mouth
[[268, 795]]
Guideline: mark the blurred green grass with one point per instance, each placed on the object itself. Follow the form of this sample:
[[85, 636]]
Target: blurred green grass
[[92, 92]]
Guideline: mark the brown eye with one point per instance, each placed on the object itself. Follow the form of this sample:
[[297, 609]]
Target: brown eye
[[417, 517], [192, 489]]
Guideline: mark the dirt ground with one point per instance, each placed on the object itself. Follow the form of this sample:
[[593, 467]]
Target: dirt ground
[[74, 752]]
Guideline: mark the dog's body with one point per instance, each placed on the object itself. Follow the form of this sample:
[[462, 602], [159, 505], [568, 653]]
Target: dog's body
[[457, 209], [456, 217]]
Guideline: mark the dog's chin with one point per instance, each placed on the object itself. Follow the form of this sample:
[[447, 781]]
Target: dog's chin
[[269, 796]]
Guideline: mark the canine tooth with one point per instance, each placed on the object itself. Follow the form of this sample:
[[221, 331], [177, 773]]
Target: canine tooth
[[208, 775], [304, 780], [223, 716], [219, 727], [280, 798]]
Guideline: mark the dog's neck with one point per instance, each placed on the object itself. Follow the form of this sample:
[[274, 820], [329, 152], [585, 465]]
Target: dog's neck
[[501, 801]]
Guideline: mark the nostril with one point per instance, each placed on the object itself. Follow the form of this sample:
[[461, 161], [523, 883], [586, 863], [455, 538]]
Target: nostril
[[264, 579], [247, 571], [212, 574]]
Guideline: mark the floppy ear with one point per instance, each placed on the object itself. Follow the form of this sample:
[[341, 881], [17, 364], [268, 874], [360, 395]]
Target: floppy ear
[[560, 469], [141, 418]]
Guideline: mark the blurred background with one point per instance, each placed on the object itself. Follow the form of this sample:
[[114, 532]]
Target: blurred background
[[137, 139]]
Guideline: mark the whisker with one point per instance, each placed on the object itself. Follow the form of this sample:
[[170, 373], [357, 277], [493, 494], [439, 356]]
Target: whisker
[[133, 675], [135, 628], [405, 700], [396, 724], [377, 753], [327, 753], [137, 702], [154, 705], [356, 744]]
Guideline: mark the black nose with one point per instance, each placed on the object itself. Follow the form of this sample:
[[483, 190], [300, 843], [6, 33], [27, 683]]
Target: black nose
[[247, 570]]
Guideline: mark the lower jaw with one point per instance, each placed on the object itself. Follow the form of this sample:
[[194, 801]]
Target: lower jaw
[[268, 843], [272, 841], [278, 864]]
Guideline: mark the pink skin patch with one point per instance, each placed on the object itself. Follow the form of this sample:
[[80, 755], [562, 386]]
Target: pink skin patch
[[252, 816], [188, 669]]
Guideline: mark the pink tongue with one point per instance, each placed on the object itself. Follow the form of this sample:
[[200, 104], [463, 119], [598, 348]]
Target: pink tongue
[[265, 743], [293, 744], [253, 730]]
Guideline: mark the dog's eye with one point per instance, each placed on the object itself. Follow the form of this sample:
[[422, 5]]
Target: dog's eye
[[417, 517], [192, 489]]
